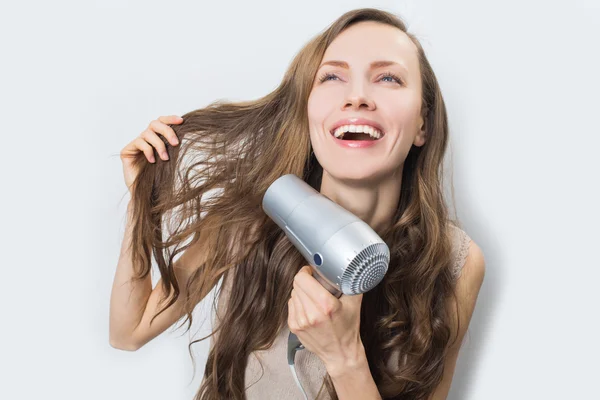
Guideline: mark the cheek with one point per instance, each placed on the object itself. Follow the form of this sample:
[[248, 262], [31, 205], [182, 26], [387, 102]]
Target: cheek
[[402, 112], [320, 106]]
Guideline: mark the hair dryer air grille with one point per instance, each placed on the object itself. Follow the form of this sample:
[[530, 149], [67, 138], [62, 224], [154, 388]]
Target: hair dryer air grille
[[367, 269]]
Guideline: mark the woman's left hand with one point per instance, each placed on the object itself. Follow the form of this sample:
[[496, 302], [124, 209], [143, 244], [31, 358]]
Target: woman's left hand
[[326, 325]]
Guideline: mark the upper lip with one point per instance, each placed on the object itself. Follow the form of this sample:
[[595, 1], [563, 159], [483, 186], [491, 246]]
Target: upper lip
[[356, 121]]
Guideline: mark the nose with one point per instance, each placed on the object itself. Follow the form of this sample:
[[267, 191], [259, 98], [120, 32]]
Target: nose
[[358, 98]]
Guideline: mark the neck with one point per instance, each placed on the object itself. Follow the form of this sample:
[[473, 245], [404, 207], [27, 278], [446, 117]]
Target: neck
[[373, 201]]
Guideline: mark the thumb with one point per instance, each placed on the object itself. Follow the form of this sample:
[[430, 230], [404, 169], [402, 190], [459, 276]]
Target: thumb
[[307, 269], [352, 301]]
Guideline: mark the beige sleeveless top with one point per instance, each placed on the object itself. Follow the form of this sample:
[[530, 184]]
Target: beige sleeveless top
[[277, 381]]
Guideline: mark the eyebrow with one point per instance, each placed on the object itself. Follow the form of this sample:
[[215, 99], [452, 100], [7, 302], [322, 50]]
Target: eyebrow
[[374, 64]]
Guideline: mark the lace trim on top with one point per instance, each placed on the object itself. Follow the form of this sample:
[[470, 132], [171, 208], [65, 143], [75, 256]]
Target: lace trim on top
[[462, 250]]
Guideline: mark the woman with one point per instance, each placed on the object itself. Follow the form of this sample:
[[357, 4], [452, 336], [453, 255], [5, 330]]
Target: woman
[[364, 80]]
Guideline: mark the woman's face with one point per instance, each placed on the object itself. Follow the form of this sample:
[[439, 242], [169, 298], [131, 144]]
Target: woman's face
[[357, 80]]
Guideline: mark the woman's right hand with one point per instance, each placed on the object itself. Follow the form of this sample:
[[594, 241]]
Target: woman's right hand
[[145, 143]]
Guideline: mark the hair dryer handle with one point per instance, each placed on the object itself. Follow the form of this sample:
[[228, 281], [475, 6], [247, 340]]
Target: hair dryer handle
[[332, 289]]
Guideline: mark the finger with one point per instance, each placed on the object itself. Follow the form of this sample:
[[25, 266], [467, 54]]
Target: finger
[[291, 315], [157, 142], [313, 313], [164, 130], [301, 319], [130, 150], [315, 290], [142, 145], [170, 119]]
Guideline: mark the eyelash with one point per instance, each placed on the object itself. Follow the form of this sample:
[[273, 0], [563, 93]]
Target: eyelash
[[327, 75]]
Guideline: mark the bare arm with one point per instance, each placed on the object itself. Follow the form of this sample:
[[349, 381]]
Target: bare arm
[[133, 305]]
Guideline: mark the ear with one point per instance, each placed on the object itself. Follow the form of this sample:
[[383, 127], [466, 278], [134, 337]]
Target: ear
[[421, 136]]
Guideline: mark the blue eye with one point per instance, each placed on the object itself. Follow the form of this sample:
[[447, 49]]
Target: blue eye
[[326, 77], [394, 77]]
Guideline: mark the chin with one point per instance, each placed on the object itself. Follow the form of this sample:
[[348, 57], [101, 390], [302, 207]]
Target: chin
[[353, 173]]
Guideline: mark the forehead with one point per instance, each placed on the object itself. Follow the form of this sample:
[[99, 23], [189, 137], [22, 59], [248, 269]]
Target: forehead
[[367, 41]]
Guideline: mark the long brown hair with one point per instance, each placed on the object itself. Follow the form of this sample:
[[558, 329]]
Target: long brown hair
[[230, 153]]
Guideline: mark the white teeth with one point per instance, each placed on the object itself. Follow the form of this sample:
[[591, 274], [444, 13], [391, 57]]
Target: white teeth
[[373, 132]]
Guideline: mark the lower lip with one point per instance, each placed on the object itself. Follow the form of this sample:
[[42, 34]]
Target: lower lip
[[356, 144]]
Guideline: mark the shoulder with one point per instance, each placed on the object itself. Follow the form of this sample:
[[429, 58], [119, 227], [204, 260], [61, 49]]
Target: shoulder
[[467, 290], [472, 272], [460, 241], [468, 264], [468, 285]]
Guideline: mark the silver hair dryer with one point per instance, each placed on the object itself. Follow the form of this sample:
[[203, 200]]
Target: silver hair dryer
[[345, 253]]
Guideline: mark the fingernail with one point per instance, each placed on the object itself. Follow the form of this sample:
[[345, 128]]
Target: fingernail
[[165, 155]]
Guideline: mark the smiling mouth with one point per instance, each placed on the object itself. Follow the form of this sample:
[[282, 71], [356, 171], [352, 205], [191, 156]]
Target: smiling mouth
[[364, 136]]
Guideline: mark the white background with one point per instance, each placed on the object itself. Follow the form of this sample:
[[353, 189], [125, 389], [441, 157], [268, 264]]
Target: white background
[[78, 80]]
